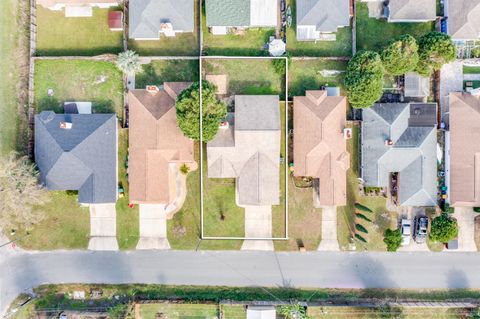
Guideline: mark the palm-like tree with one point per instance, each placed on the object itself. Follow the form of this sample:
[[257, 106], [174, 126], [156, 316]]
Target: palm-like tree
[[129, 62]]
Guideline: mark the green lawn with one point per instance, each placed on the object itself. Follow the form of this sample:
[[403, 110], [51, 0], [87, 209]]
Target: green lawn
[[381, 219], [311, 74], [233, 311], [374, 34], [182, 44], [471, 69], [57, 35], [179, 311], [96, 81], [341, 47], [279, 211], [160, 71], [251, 43], [386, 312], [253, 76]]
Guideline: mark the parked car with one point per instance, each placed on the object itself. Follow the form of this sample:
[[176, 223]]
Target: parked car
[[406, 227], [421, 227]]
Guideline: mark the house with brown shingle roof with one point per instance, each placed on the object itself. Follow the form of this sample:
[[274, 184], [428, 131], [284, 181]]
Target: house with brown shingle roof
[[60, 4], [464, 152], [320, 149], [157, 146]]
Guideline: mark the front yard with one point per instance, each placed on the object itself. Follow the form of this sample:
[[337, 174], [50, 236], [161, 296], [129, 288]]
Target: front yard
[[58, 35], [374, 34], [342, 47]]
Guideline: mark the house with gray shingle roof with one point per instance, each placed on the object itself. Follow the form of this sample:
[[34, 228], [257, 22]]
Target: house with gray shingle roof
[[399, 145], [248, 149], [320, 19], [224, 14], [78, 152], [148, 19], [412, 10]]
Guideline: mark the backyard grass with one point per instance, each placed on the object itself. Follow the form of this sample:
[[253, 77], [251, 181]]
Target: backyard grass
[[58, 35], [178, 311], [311, 74], [233, 311], [253, 76], [78, 80], [374, 34], [251, 43], [182, 44], [279, 211], [342, 47], [471, 69], [159, 71], [381, 219]]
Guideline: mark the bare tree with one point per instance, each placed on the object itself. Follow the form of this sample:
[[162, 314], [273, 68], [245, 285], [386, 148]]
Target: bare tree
[[19, 192]]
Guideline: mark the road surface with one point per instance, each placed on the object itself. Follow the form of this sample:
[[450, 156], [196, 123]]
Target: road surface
[[22, 271]]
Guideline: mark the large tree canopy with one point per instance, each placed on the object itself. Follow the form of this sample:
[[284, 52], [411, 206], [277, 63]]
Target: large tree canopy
[[434, 49], [364, 79], [188, 111], [443, 228], [401, 55]]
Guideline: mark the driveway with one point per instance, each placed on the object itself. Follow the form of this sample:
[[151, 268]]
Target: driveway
[[258, 224], [411, 213], [329, 240], [153, 227], [466, 228], [103, 227]]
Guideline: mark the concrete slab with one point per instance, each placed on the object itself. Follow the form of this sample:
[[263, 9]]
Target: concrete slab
[[103, 227], [153, 227], [466, 229], [451, 80], [329, 240], [258, 224]]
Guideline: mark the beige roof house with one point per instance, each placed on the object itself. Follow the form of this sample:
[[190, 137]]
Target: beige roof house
[[464, 149], [463, 22], [412, 10], [60, 4], [157, 147], [248, 149], [320, 149]]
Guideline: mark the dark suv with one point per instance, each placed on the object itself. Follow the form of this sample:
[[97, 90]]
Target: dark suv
[[421, 227]]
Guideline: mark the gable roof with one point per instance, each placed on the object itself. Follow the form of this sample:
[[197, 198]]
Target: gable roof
[[411, 10], [411, 128], [145, 17], [249, 150], [82, 158], [463, 22], [320, 150], [156, 144], [231, 13], [464, 149], [325, 15]]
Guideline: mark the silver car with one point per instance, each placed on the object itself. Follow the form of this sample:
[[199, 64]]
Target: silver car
[[406, 227], [421, 229]]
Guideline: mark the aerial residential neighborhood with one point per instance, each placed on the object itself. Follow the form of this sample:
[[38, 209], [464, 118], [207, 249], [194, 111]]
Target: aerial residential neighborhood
[[256, 159]]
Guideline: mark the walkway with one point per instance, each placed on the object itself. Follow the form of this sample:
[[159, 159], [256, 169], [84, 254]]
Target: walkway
[[153, 227], [466, 228], [258, 224], [329, 240], [103, 227]]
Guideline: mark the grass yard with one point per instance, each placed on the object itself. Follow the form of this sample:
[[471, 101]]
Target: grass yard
[[386, 312], [311, 74], [182, 44], [233, 311], [381, 219], [178, 311], [279, 211], [58, 35], [341, 47], [264, 80], [374, 34], [159, 71], [78, 80], [471, 69]]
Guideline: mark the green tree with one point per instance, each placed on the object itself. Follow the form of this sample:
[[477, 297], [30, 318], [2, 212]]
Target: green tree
[[188, 111], [364, 79], [443, 228], [401, 55], [129, 62], [434, 50], [293, 311], [393, 239]]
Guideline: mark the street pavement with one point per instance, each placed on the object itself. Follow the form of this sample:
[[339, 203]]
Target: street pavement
[[21, 271]]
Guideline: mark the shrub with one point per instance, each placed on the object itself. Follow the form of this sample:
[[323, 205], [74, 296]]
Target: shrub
[[476, 52], [357, 236], [361, 216], [434, 50], [362, 208], [293, 311], [280, 65], [364, 79], [476, 209], [447, 209], [401, 55], [188, 111], [184, 169], [392, 238], [444, 228], [360, 228]]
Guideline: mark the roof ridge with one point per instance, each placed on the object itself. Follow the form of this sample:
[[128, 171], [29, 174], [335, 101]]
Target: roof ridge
[[93, 131]]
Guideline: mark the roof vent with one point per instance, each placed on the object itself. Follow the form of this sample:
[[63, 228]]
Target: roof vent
[[347, 133], [46, 116], [388, 142], [65, 125], [224, 125], [152, 89]]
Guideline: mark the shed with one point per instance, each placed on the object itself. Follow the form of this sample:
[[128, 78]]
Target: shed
[[115, 20], [261, 312]]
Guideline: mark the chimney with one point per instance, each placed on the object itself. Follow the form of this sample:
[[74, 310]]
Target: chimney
[[152, 89]]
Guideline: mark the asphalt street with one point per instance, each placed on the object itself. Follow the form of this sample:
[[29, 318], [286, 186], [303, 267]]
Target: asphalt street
[[22, 271]]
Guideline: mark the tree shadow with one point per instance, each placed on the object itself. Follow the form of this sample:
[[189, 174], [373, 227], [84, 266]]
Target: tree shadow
[[301, 84], [457, 279], [49, 103]]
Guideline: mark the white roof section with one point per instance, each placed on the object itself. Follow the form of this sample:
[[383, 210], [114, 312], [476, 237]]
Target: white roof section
[[257, 312], [263, 13]]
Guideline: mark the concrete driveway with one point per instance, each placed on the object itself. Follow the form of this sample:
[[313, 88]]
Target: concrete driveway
[[329, 240], [466, 228], [153, 227], [258, 224], [103, 227], [412, 213]]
